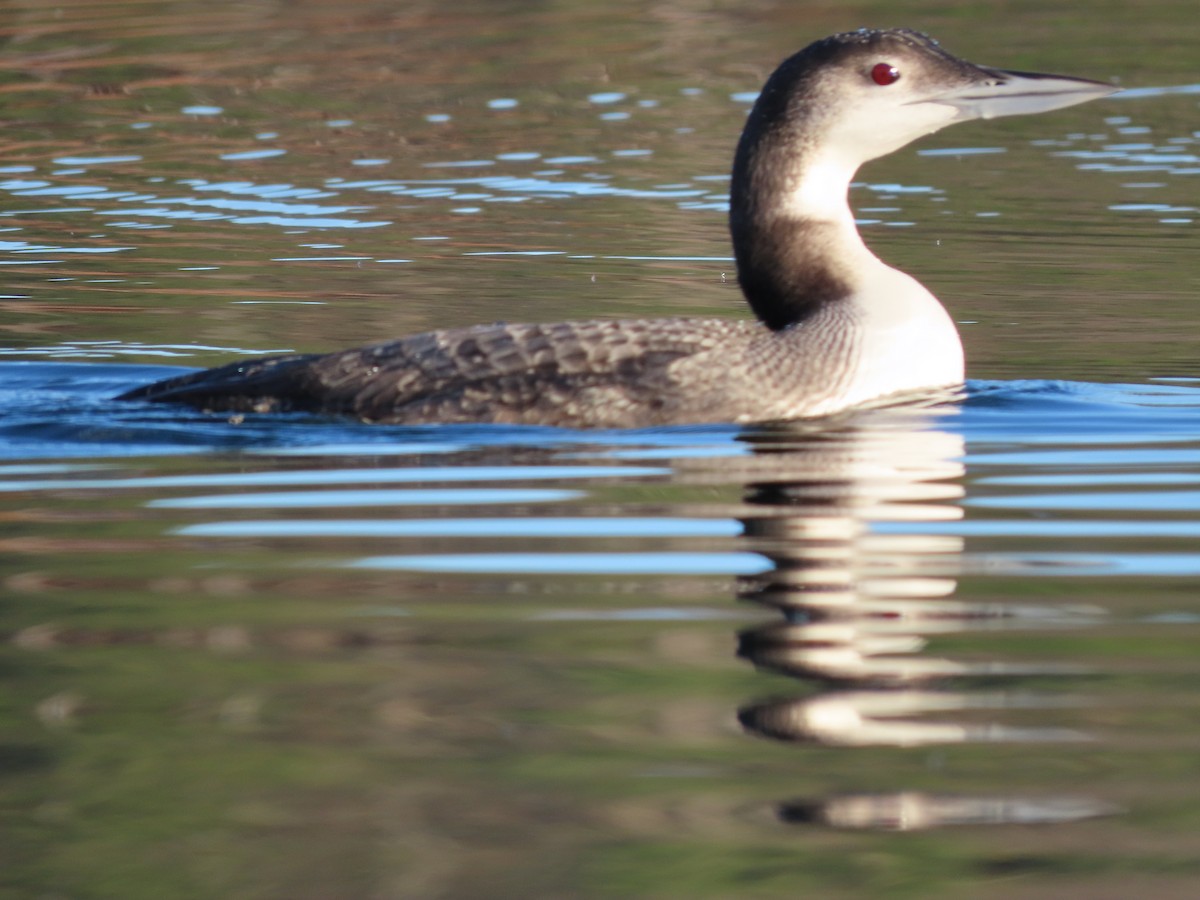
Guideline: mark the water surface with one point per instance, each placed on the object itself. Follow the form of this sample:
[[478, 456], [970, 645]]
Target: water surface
[[924, 652]]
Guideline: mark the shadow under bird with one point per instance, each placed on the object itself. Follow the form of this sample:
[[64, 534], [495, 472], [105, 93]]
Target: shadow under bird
[[836, 327]]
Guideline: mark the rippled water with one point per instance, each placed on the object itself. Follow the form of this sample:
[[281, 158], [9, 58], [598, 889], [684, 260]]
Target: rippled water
[[294, 656]]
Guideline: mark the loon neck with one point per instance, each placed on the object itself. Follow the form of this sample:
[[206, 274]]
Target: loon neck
[[794, 237]]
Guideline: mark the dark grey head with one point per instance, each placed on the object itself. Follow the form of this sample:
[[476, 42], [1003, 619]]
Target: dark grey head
[[866, 93], [825, 111]]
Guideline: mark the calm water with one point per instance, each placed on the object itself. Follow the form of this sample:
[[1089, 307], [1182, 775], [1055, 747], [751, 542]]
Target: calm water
[[935, 652]]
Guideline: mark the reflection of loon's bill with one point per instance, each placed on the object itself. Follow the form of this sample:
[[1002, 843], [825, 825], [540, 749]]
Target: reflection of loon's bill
[[911, 811], [859, 603], [865, 718], [849, 664], [910, 617]]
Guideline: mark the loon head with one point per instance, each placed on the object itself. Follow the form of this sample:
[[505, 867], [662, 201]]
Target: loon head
[[866, 93], [825, 111]]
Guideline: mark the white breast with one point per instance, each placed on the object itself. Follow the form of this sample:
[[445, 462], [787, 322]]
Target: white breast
[[909, 341]]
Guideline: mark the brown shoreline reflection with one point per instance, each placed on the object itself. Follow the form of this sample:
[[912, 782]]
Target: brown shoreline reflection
[[857, 607]]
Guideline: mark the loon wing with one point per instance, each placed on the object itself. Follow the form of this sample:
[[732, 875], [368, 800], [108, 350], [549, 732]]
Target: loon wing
[[614, 373]]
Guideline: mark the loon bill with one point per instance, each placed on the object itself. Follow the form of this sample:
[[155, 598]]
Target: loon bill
[[835, 328]]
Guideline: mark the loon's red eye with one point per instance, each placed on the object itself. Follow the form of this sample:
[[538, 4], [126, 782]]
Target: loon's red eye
[[885, 74]]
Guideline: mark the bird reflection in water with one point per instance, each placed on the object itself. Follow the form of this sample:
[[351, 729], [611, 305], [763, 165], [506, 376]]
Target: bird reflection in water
[[858, 603]]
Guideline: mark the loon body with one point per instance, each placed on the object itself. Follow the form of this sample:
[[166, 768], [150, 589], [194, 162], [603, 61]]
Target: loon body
[[835, 326]]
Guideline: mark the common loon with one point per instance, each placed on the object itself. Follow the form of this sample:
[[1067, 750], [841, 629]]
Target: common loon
[[836, 328]]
